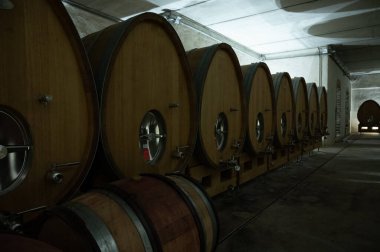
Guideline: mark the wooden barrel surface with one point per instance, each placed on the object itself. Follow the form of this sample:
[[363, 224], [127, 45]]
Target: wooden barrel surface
[[369, 113], [151, 213], [17, 243], [284, 127], [301, 107], [48, 113], [259, 91], [323, 110], [313, 100], [148, 119], [218, 79]]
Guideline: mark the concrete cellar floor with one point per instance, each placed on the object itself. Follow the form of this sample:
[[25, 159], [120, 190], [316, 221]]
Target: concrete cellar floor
[[330, 201]]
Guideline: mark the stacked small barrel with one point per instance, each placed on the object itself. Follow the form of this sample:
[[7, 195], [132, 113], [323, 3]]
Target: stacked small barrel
[[153, 128]]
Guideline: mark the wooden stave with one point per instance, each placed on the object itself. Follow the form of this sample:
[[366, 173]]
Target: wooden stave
[[102, 61], [20, 243], [299, 88], [313, 99], [200, 59], [288, 138], [249, 73], [203, 207], [50, 194]]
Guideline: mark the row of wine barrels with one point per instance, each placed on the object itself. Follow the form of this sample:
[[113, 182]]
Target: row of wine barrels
[[49, 109], [11, 242], [151, 213], [152, 109], [368, 115], [278, 108]]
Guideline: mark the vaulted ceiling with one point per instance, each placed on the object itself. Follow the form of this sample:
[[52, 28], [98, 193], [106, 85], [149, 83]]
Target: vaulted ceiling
[[347, 29]]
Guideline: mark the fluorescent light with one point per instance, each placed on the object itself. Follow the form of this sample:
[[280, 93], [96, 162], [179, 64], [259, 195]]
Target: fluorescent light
[[375, 128], [364, 127]]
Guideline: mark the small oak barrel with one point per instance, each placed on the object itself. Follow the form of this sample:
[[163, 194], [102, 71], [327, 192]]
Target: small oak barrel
[[322, 94], [369, 116], [283, 88], [313, 101], [49, 109], [259, 91], [147, 213], [302, 108], [221, 104], [148, 120], [10, 242]]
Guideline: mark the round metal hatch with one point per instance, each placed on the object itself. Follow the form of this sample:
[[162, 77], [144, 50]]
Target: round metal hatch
[[221, 131], [152, 136], [260, 127], [15, 149]]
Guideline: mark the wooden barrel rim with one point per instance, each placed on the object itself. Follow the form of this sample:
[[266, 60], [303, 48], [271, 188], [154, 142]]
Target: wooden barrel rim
[[141, 214], [248, 85], [199, 80], [108, 59], [205, 62], [277, 84], [188, 202], [73, 220], [81, 54], [210, 205], [133, 187]]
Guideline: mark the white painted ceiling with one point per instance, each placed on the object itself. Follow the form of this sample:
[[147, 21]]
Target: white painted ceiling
[[350, 29]]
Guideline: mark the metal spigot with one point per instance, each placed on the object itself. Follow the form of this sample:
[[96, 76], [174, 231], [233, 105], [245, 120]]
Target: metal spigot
[[235, 144], [180, 152], [56, 177]]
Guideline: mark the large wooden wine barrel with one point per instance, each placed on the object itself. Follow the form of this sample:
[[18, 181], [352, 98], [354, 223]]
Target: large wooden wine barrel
[[151, 213], [218, 79], [284, 129], [48, 113], [301, 107], [10, 242], [314, 123], [259, 92], [148, 119], [369, 116], [322, 94]]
